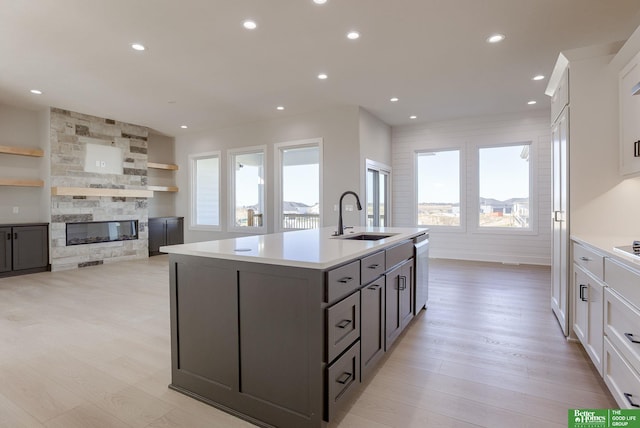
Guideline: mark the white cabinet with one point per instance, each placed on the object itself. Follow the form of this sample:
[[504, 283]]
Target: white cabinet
[[630, 117]]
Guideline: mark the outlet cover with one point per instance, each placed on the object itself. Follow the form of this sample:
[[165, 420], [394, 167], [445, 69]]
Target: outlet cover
[[16, 210]]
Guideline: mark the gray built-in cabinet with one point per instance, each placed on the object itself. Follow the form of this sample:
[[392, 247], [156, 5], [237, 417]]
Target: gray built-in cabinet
[[24, 248], [165, 231], [281, 345]]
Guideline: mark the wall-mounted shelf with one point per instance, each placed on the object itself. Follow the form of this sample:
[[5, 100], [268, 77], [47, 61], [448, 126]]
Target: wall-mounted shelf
[[21, 151], [163, 188], [21, 182], [94, 191], [167, 166]]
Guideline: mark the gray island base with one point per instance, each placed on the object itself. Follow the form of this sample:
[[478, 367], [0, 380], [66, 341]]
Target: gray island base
[[283, 332]]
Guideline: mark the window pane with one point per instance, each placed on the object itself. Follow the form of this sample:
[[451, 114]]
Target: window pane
[[301, 188], [384, 179], [504, 186], [207, 200], [439, 188], [249, 189], [371, 200]]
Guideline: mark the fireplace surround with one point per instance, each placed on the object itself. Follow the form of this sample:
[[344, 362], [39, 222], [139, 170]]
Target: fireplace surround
[[101, 231]]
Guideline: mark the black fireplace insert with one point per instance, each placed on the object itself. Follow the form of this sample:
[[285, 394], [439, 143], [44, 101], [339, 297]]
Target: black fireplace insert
[[101, 231]]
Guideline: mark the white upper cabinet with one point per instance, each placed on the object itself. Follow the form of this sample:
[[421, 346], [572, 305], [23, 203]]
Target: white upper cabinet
[[630, 118], [560, 96]]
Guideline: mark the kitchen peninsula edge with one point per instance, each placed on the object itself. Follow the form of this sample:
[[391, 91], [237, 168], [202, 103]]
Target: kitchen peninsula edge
[[281, 329]]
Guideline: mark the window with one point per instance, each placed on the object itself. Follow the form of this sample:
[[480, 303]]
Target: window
[[247, 181], [299, 193], [205, 190], [438, 188], [504, 186], [378, 186]]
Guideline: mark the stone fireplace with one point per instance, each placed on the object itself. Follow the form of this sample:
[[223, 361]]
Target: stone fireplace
[[72, 134]]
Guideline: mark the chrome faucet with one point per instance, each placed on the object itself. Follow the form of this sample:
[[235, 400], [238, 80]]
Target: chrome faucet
[[340, 225]]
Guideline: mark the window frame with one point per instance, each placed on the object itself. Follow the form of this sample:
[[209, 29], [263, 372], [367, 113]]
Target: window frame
[[231, 155], [380, 168], [278, 192], [462, 227], [533, 202], [193, 198]]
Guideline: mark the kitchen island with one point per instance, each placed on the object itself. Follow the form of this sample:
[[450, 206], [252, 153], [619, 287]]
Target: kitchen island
[[281, 329]]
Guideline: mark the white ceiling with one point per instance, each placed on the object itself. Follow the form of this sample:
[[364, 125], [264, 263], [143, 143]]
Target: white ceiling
[[203, 69]]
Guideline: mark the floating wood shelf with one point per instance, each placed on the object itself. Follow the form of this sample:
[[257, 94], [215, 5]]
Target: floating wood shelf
[[21, 151], [94, 191], [163, 188], [168, 166], [20, 182]]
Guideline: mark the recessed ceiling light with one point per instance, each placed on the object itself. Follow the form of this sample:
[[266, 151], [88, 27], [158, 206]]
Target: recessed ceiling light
[[352, 35], [394, 99], [183, 126], [250, 24], [532, 102], [319, 1], [538, 77], [495, 38], [280, 108], [413, 117], [137, 46], [36, 91], [322, 76]]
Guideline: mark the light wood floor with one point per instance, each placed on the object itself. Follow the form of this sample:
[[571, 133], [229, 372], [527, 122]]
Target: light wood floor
[[90, 348]]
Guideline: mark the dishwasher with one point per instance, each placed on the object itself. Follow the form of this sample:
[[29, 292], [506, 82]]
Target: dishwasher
[[421, 254]]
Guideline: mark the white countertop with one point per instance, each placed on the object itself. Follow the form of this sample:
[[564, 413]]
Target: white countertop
[[313, 248], [607, 244]]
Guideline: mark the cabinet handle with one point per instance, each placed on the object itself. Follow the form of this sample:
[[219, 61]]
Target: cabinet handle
[[8, 237], [636, 149], [375, 266], [628, 397], [15, 235], [582, 288], [345, 279], [343, 323], [557, 216], [402, 279], [585, 259], [373, 287], [344, 378], [631, 338]]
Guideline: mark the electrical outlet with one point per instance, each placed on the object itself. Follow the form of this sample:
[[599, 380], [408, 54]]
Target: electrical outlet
[[16, 210], [103, 164], [335, 207], [98, 163], [348, 207]]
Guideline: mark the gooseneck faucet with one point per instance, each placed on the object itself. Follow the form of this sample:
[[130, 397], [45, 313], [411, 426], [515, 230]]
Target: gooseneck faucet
[[340, 225]]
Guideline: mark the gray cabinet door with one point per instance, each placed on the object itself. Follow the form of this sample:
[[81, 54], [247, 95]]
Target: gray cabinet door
[[406, 293], [156, 235], [393, 322], [372, 325], [30, 247], [174, 231], [5, 249]]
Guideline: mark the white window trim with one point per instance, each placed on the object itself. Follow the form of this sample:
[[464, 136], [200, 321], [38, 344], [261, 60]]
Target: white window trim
[[192, 189], [231, 153], [533, 202], [278, 148], [381, 168], [462, 168]]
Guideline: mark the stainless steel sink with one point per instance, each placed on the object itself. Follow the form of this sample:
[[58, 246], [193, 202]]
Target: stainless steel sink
[[367, 236]]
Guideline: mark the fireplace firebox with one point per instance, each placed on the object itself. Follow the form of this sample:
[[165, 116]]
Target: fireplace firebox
[[101, 231]]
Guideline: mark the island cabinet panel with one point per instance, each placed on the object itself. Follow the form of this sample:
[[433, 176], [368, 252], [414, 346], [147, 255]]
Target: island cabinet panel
[[372, 326], [343, 377], [343, 325], [342, 281], [372, 267], [399, 298]]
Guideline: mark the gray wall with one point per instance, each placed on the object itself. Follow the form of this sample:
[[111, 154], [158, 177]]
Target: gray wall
[[338, 127]]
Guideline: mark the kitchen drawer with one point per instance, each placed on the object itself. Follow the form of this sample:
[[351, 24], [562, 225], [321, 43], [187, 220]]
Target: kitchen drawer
[[622, 327], [342, 380], [624, 280], [342, 281], [622, 380], [372, 267], [398, 254], [589, 260], [343, 325]]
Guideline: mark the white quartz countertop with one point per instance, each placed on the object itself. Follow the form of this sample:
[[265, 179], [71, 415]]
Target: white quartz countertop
[[313, 248], [607, 244]]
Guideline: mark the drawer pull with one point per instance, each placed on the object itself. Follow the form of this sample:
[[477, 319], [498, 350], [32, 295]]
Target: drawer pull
[[373, 287], [343, 323], [344, 378], [628, 397], [631, 338], [582, 288], [345, 279], [375, 266], [585, 259]]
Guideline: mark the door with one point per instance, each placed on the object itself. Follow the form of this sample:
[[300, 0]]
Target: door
[[5, 249], [372, 325], [406, 293], [377, 201], [30, 247], [560, 242], [399, 301]]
